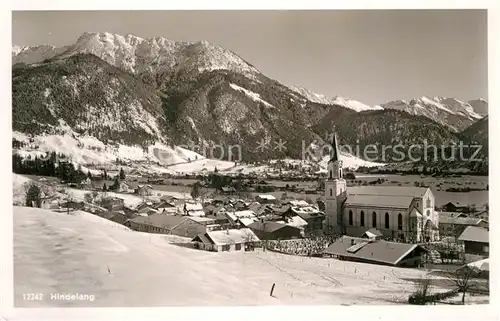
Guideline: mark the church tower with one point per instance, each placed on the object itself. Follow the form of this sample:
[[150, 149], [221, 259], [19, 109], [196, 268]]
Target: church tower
[[335, 190]]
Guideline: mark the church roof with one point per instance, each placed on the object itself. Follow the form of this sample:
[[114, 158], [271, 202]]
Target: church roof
[[379, 201], [387, 191]]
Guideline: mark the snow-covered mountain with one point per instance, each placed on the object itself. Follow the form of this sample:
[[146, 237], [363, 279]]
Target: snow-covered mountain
[[126, 91], [480, 106], [136, 55], [452, 112], [341, 101]]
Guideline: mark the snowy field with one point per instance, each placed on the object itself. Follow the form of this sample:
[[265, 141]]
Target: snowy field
[[82, 253]]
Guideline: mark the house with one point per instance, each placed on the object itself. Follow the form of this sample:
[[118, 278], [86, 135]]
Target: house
[[86, 183], [124, 187], [372, 234], [295, 221], [484, 215], [226, 240], [73, 205], [228, 191], [50, 204], [244, 218], [144, 190], [298, 203], [163, 205], [168, 224], [193, 209], [312, 215], [112, 203], [268, 230], [115, 216], [455, 207], [376, 251], [454, 223], [266, 199], [475, 240]]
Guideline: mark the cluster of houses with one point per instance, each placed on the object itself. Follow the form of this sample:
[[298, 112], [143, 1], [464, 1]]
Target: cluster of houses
[[240, 222], [226, 223]]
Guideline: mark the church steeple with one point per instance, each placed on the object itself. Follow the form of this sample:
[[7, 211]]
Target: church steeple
[[334, 150]]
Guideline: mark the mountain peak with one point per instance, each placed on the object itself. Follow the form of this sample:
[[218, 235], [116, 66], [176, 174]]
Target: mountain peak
[[136, 55]]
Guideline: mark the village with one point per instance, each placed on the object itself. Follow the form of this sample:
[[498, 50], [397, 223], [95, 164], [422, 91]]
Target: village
[[226, 220]]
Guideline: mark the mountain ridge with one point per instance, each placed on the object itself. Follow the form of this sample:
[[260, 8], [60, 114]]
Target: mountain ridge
[[182, 94]]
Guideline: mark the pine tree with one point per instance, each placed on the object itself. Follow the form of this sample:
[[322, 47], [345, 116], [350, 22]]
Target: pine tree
[[89, 175], [116, 184], [122, 174], [33, 196], [195, 191]]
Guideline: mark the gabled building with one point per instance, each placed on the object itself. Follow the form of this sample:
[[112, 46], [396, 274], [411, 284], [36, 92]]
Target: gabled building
[[476, 241], [193, 209], [266, 199], [454, 223], [268, 230], [455, 207], [169, 224], [226, 240], [376, 251]]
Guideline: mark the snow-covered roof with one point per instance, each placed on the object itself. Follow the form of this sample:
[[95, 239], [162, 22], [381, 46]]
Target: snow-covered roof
[[296, 221], [232, 236], [298, 203], [196, 213], [267, 197], [245, 214], [194, 207], [247, 221]]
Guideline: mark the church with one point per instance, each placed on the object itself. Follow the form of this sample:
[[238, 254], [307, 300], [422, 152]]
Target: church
[[406, 214]]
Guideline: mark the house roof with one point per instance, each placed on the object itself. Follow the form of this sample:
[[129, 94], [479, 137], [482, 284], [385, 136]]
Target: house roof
[[204, 220], [451, 214], [474, 234], [196, 213], [193, 207], [298, 203], [373, 232], [232, 236], [458, 220], [266, 197], [402, 202], [296, 221], [268, 226], [387, 191], [246, 221], [202, 238], [160, 220], [371, 250]]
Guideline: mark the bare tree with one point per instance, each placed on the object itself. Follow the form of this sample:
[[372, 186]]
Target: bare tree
[[463, 279]]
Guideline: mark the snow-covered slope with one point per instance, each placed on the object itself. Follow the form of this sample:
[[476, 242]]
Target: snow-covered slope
[[341, 101], [84, 254], [448, 111], [136, 55]]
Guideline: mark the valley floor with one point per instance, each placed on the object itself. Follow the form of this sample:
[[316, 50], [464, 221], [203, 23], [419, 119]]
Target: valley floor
[[85, 254]]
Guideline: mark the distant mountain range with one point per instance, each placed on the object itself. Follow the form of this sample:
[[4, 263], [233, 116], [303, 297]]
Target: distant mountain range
[[133, 91]]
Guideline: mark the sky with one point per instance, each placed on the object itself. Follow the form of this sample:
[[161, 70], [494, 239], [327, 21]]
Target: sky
[[373, 56]]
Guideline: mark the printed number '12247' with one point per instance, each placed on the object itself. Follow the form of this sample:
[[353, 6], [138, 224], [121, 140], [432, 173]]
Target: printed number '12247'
[[33, 296]]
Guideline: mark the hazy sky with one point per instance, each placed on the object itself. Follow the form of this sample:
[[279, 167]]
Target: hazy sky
[[370, 56]]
